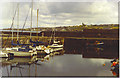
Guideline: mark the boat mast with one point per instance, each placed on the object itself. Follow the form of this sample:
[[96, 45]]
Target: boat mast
[[12, 33], [12, 26], [54, 29], [13, 22], [37, 22], [31, 20], [18, 23]]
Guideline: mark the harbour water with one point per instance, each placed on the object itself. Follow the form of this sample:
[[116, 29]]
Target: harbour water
[[76, 64], [90, 47]]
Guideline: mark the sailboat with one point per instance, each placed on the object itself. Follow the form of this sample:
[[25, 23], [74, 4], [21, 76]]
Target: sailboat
[[41, 49], [20, 51], [55, 44]]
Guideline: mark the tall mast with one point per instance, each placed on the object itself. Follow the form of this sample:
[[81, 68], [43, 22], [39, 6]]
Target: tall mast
[[37, 22], [54, 29], [31, 20], [12, 24], [18, 23], [12, 33]]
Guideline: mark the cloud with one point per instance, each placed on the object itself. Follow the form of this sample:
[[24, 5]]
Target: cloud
[[67, 13]]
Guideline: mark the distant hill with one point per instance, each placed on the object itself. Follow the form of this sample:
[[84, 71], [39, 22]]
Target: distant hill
[[73, 28]]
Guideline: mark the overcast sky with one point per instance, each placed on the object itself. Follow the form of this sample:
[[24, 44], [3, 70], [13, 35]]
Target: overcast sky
[[62, 13]]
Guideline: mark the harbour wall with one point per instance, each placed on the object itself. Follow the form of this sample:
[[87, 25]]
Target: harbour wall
[[110, 37], [89, 33]]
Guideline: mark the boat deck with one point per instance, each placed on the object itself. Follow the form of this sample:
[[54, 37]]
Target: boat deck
[[57, 49]]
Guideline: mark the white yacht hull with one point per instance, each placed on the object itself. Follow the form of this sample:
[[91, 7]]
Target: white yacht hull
[[22, 54], [3, 55], [55, 46]]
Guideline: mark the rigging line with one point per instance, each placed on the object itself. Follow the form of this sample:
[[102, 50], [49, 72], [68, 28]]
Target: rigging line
[[54, 28], [52, 34], [11, 25], [18, 22], [31, 20], [26, 18], [24, 23], [14, 16]]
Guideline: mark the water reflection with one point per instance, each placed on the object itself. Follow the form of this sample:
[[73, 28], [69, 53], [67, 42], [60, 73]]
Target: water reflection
[[16, 66], [108, 53], [96, 52], [82, 62]]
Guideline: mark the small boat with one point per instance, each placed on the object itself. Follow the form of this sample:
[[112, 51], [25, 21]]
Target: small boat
[[96, 44], [54, 42], [55, 46], [43, 50], [57, 49], [39, 45], [22, 54], [24, 51]]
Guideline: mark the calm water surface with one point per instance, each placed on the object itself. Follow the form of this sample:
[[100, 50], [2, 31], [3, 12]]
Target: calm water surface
[[83, 63], [63, 65]]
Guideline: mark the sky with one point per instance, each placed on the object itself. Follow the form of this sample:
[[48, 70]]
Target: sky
[[53, 13]]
